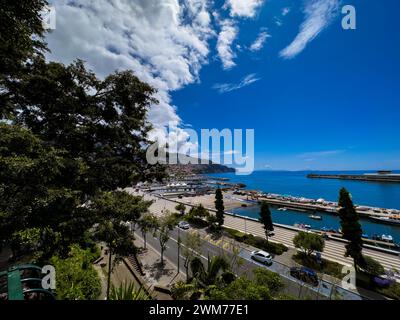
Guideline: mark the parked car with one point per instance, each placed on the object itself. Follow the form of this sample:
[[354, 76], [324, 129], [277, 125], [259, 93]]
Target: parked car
[[183, 225], [306, 275], [262, 256]]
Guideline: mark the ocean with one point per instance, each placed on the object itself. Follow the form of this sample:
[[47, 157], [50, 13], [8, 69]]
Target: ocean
[[383, 195]]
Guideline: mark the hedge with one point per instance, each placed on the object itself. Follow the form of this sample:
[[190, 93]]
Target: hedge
[[258, 242]]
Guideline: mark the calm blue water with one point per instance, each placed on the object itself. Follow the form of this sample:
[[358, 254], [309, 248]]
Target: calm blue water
[[329, 221], [385, 195]]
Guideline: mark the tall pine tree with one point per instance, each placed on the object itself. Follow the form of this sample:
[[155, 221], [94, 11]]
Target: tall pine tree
[[266, 219], [219, 206], [351, 228]]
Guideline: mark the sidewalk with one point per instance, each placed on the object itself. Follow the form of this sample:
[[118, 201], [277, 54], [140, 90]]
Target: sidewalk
[[158, 275]]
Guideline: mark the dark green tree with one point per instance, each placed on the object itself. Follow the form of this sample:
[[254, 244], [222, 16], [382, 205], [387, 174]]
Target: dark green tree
[[309, 243], [165, 225], [115, 211], [219, 206], [217, 266], [147, 223], [76, 278], [198, 212], [266, 219], [181, 208], [67, 136], [351, 228], [21, 40]]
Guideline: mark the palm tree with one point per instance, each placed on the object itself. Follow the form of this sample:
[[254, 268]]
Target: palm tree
[[217, 270], [128, 292]]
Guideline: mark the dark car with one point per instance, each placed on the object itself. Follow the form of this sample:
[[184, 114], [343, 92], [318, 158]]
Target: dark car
[[306, 275]]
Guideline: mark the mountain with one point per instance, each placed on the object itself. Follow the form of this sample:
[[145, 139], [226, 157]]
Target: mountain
[[196, 167]]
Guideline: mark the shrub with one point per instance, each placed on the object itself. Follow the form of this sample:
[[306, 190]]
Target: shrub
[[393, 291], [328, 267], [372, 267], [76, 277], [258, 242]]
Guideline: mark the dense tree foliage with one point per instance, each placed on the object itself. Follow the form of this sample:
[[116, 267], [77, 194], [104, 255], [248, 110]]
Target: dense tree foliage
[[219, 206], [76, 278], [68, 140], [147, 223], [266, 219], [265, 285], [164, 226], [21, 39], [351, 227], [309, 242]]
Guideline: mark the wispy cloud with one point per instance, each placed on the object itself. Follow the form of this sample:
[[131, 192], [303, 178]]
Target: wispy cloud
[[225, 39], [243, 8], [285, 11], [318, 15], [310, 156], [227, 87], [259, 42]]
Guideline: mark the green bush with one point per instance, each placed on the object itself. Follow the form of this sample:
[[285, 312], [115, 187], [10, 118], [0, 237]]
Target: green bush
[[372, 267], [258, 242], [76, 278], [328, 267], [392, 291]]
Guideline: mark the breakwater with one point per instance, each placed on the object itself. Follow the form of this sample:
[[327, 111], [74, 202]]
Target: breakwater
[[393, 178]]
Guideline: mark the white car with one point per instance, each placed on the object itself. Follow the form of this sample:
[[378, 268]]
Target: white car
[[183, 225], [262, 256]]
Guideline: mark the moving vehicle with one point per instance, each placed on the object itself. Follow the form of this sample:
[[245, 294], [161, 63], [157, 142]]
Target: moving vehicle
[[306, 275], [183, 225], [262, 256]]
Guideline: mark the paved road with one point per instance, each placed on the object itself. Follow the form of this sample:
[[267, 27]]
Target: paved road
[[293, 286], [334, 250]]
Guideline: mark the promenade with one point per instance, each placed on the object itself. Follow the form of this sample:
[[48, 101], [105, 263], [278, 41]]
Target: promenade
[[334, 249]]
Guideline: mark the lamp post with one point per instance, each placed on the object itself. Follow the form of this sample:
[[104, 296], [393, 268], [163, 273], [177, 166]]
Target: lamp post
[[179, 248]]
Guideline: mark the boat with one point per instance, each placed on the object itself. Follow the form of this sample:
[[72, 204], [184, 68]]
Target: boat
[[315, 217], [282, 209], [302, 226], [387, 220], [383, 237]]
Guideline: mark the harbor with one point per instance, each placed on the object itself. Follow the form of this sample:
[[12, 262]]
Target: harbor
[[381, 226]]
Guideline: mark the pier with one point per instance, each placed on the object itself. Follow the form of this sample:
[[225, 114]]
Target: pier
[[375, 177]]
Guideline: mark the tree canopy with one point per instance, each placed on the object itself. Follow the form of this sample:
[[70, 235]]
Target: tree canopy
[[309, 242], [68, 140], [266, 219], [351, 227], [219, 206]]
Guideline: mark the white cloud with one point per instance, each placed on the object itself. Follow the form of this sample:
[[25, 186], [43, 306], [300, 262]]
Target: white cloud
[[318, 15], [311, 155], [165, 43], [259, 42], [227, 87], [243, 8], [285, 11], [225, 39]]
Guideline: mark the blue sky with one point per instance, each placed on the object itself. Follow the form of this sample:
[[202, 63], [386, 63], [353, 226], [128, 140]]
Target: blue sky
[[336, 105], [332, 104]]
